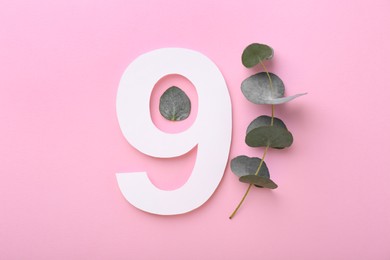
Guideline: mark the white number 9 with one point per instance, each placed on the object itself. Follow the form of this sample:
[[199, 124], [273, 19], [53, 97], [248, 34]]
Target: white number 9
[[211, 130]]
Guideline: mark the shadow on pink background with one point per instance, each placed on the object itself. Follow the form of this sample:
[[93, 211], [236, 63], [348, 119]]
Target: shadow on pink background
[[60, 142]]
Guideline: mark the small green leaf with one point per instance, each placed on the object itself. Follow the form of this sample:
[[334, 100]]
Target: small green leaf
[[259, 181], [243, 165], [256, 52], [257, 89], [175, 104], [273, 136]]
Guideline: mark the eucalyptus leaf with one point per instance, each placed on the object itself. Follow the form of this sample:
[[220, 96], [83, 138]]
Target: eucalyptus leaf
[[243, 165], [273, 136], [255, 53], [257, 89], [259, 181], [175, 104], [265, 121]]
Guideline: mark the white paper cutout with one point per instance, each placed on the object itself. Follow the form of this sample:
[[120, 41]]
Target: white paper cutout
[[211, 130]]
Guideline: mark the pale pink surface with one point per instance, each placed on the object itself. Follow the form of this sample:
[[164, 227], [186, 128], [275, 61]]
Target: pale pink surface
[[60, 143]]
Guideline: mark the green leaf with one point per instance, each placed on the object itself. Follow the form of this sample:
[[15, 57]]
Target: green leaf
[[273, 136], [265, 121], [243, 165], [259, 181], [256, 52], [257, 89], [175, 104]]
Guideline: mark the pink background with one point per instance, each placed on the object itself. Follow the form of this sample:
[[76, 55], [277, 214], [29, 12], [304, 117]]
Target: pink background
[[60, 143]]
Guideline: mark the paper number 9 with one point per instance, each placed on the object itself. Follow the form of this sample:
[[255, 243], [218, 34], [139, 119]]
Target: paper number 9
[[211, 130]]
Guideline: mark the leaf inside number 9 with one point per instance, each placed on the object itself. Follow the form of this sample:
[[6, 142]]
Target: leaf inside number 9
[[175, 104]]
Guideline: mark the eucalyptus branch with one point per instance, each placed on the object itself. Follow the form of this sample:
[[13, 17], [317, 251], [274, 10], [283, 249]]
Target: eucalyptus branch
[[264, 131]]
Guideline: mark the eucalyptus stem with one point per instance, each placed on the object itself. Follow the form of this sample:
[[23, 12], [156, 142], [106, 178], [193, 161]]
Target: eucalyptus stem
[[272, 89], [268, 75], [262, 160], [242, 200], [250, 185], [266, 149]]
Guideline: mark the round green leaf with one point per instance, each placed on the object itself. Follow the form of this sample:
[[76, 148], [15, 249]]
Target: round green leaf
[[257, 89], [273, 136], [259, 181], [265, 121], [256, 52], [175, 104], [243, 165]]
